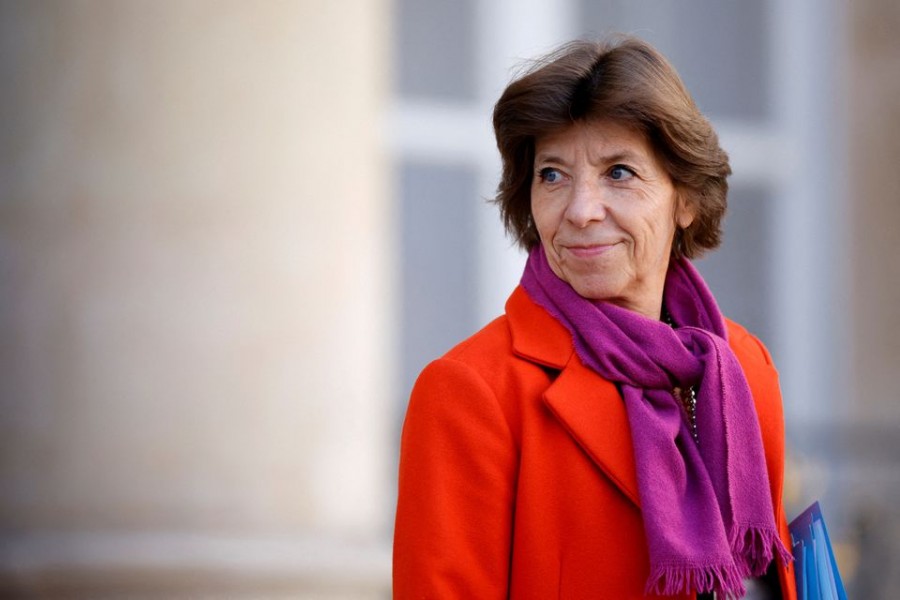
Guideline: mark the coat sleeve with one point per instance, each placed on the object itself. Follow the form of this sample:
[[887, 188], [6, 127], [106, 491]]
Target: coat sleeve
[[453, 531]]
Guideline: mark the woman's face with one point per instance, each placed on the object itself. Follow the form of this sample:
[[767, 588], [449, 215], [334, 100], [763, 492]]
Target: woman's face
[[606, 212]]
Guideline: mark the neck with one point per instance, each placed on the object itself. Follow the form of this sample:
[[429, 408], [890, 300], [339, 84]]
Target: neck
[[651, 309]]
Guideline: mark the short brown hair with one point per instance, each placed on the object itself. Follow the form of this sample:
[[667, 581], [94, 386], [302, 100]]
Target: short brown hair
[[628, 81]]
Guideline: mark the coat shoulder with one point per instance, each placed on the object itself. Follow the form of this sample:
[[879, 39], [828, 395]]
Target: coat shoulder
[[746, 345], [491, 343], [488, 358]]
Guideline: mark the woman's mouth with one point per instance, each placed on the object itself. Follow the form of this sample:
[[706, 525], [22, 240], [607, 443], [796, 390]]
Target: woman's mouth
[[588, 250]]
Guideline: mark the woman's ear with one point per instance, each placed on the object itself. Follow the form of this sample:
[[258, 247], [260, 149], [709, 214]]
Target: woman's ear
[[685, 210]]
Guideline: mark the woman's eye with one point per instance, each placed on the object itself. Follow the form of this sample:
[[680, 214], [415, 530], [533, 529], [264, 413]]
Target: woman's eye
[[620, 173], [550, 175]]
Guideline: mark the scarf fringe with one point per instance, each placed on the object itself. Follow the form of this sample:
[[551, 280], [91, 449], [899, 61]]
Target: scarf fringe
[[755, 547], [669, 580]]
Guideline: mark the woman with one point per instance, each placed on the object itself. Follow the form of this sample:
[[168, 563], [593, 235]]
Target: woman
[[612, 435]]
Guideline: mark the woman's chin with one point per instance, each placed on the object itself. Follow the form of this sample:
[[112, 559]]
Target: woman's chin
[[595, 290]]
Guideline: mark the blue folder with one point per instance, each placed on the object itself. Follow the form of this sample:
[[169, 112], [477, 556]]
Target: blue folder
[[816, 570]]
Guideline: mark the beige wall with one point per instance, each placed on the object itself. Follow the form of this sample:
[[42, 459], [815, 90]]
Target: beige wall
[[874, 203], [195, 304], [869, 449]]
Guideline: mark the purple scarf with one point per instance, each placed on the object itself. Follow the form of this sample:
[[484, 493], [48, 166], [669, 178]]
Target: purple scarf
[[706, 506]]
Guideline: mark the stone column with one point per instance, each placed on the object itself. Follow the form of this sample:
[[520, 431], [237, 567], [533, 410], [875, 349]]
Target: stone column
[[196, 349]]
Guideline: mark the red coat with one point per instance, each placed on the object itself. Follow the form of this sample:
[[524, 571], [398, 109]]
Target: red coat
[[517, 475]]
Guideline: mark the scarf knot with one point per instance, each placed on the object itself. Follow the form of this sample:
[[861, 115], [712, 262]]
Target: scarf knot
[[707, 512]]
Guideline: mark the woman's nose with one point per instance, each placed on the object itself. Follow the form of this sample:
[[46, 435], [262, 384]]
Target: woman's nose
[[586, 204]]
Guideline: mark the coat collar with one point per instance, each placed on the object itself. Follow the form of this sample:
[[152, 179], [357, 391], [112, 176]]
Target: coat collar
[[588, 406], [591, 409], [536, 335]]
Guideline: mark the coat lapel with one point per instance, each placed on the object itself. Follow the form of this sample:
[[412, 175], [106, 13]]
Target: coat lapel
[[588, 406], [592, 411]]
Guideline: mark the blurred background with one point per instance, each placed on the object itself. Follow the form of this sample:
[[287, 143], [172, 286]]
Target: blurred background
[[232, 233]]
